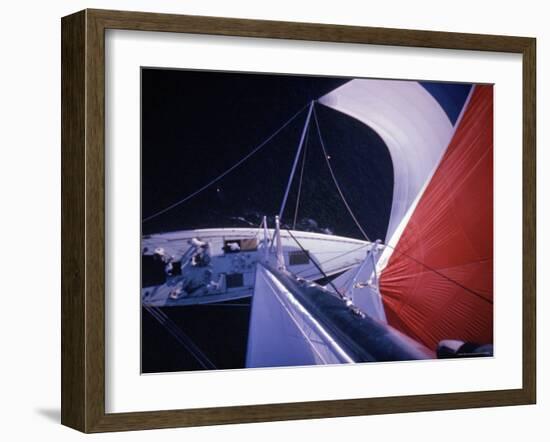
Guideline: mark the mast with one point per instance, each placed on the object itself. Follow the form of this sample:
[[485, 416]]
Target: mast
[[296, 158]]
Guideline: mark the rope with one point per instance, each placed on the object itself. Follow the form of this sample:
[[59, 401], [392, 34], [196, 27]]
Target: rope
[[431, 269], [216, 304], [334, 257], [178, 334], [437, 272], [219, 177], [334, 178]]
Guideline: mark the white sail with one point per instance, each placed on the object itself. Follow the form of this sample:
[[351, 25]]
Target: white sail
[[413, 126], [283, 333], [360, 284]]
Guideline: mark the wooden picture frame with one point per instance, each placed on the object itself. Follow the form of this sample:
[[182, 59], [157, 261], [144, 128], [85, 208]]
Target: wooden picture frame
[[83, 220]]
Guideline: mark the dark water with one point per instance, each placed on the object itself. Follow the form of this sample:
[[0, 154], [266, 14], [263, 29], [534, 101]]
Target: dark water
[[220, 331], [197, 124]]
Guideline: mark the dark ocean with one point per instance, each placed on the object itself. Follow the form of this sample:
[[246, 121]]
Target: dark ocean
[[196, 124]]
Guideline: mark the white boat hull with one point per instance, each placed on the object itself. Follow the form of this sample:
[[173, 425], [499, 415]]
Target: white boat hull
[[231, 274]]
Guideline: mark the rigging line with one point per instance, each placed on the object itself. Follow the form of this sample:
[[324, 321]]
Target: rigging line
[[219, 177], [219, 304], [334, 177], [448, 278], [300, 182], [411, 258], [314, 263], [180, 336], [336, 257], [259, 230], [339, 271], [300, 273]]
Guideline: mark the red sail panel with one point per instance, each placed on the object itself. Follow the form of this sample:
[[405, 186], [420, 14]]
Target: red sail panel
[[438, 283]]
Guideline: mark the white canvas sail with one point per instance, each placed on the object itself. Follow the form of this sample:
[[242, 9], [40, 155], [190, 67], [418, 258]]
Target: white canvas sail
[[411, 123], [283, 333]]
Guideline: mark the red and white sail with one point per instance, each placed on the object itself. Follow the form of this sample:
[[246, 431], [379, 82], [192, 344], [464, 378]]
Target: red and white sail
[[436, 274], [438, 283]]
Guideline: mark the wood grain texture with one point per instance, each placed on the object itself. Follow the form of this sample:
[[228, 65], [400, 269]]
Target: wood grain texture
[[95, 222], [145, 21], [529, 220], [73, 126], [83, 220]]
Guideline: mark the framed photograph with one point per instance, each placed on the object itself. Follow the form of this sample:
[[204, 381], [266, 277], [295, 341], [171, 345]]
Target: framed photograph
[[270, 220]]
